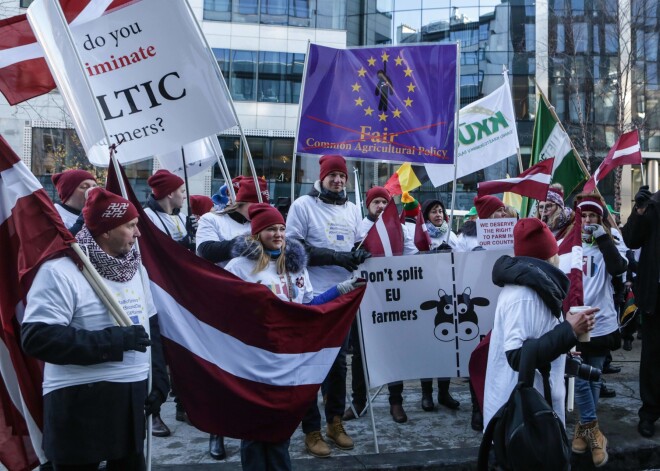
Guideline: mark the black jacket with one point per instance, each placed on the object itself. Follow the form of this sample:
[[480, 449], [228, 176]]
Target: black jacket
[[643, 231]]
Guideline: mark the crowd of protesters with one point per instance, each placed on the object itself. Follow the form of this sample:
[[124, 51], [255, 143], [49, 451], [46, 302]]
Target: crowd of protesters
[[89, 361]]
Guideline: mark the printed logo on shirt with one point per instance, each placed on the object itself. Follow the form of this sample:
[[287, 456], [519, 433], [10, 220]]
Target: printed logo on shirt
[[589, 267], [115, 210], [340, 233]]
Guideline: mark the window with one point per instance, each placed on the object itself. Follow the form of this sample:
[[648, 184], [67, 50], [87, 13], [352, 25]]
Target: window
[[219, 10], [243, 75]]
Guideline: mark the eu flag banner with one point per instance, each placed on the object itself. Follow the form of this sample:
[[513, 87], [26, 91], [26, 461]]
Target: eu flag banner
[[389, 103]]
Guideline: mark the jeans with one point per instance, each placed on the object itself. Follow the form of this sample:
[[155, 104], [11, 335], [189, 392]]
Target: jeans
[[588, 392], [262, 456]]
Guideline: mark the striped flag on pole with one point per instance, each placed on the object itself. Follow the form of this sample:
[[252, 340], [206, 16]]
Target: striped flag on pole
[[570, 262], [246, 364], [31, 232], [385, 238], [533, 182], [626, 151]]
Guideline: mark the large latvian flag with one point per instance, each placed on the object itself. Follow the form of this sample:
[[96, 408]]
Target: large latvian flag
[[380, 103], [385, 238], [246, 364], [31, 232], [533, 182], [626, 151], [24, 73]]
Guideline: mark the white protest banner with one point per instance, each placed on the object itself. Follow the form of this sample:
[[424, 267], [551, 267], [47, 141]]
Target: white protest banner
[[496, 233], [154, 84], [487, 133], [199, 156], [420, 322]]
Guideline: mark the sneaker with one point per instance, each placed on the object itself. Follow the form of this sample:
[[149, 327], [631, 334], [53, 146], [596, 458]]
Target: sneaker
[[316, 446], [336, 433]]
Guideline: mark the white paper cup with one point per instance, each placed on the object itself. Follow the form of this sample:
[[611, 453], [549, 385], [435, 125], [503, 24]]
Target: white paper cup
[[574, 310]]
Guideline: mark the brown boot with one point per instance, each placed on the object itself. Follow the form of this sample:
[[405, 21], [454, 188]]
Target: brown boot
[[316, 446], [597, 442], [337, 434], [580, 444], [398, 414]]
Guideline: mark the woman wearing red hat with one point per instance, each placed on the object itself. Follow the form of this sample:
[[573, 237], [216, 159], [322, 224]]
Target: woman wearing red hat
[[266, 257], [488, 207], [601, 261]]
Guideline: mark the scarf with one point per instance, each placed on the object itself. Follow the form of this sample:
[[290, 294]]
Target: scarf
[[436, 232], [120, 269]]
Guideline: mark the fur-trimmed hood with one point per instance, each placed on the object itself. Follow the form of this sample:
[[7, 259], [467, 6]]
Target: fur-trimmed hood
[[296, 256]]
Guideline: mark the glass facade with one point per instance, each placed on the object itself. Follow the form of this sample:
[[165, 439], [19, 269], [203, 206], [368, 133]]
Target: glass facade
[[324, 14]]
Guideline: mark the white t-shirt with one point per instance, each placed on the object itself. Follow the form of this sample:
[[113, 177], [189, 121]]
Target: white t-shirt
[[520, 315], [175, 224], [409, 247], [327, 226], [67, 216], [216, 227], [60, 295], [466, 243], [278, 284]]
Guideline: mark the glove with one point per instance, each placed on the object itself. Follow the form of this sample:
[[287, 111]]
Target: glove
[[135, 338], [350, 284], [360, 255], [594, 230], [643, 196], [152, 403], [345, 260], [191, 225], [444, 247]]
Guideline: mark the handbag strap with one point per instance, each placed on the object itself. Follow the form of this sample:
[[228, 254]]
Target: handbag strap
[[527, 369]]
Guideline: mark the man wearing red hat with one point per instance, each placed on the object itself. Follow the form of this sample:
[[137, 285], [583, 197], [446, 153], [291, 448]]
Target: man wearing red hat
[[163, 207], [71, 186], [488, 207], [95, 374], [529, 308], [327, 223]]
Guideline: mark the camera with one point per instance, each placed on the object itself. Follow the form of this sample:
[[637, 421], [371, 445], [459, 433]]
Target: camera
[[575, 366]]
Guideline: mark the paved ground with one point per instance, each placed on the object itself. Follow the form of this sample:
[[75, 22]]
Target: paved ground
[[441, 439]]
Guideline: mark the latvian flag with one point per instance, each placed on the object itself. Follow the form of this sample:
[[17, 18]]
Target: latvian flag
[[626, 151], [245, 363], [533, 182], [24, 73], [570, 262], [385, 238], [422, 239], [31, 232]]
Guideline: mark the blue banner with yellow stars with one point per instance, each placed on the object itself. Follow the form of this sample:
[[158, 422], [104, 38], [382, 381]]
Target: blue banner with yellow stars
[[389, 103]]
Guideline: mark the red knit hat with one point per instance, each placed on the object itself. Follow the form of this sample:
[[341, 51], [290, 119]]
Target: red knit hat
[[164, 182], [332, 163], [263, 215], [487, 205], [104, 211], [377, 192], [67, 182], [200, 205], [533, 238], [247, 192], [591, 203]]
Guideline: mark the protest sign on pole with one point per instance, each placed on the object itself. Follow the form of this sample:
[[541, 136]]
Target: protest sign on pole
[[495, 234], [419, 321], [140, 76], [380, 103]]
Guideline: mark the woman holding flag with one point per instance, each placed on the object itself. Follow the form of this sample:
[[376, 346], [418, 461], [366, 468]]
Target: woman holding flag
[[266, 257]]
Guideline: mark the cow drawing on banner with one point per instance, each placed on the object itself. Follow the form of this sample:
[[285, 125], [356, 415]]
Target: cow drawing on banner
[[467, 327]]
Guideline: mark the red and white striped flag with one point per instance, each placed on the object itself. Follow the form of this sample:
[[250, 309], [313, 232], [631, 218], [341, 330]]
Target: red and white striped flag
[[626, 151], [385, 238], [31, 232], [246, 364], [421, 238], [24, 73], [533, 182], [570, 261]]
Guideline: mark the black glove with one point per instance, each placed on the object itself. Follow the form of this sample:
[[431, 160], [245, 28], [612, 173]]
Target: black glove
[[444, 247], [360, 255], [152, 403], [643, 196], [345, 260], [135, 338], [191, 225]]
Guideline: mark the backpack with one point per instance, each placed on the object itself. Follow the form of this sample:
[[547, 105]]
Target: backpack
[[525, 433]]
